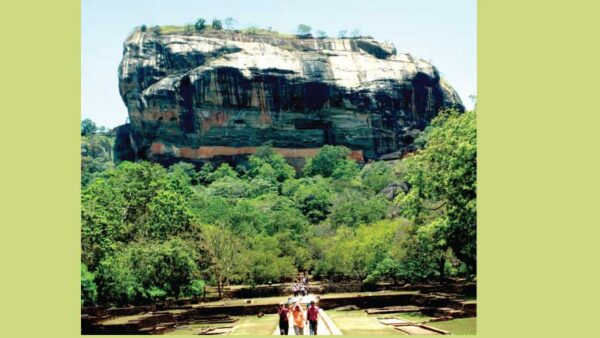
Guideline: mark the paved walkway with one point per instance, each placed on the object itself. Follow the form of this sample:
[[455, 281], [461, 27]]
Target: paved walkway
[[325, 327]]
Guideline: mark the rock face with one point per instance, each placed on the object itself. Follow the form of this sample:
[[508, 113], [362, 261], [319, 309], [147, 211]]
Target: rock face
[[219, 95]]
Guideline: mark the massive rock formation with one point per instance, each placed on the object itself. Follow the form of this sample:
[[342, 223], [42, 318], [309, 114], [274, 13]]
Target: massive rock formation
[[218, 95]]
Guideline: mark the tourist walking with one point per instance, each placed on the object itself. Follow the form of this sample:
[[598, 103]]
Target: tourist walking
[[284, 323], [298, 317], [312, 314], [303, 290], [295, 289]]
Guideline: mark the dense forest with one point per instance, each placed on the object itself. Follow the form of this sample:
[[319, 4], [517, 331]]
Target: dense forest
[[150, 232]]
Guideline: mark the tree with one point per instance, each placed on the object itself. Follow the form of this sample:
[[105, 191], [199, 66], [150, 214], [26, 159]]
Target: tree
[[88, 127], [229, 23], [89, 292], [278, 168], [168, 215], [266, 263], [342, 34], [326, 161], [321, 34], [217, 24], [224, 255], [303, 29], [186, 171], [143, 28], [443, 179], [229, 187], [355, 33], [376, 176], [200, 25], [204, 175], [313, 197], [352, 208], [224, 170], [148, 271], [156, 30]]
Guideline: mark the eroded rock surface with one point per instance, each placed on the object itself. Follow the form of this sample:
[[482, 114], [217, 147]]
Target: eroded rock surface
[[216, 97]]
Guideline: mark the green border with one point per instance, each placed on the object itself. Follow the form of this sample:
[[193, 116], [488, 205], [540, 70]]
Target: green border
[[538, 161]]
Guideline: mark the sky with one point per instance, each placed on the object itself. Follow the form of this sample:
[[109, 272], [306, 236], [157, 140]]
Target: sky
[[442, 32]]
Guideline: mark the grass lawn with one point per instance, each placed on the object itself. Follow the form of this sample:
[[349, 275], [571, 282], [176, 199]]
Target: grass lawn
[[374, 293], [191, 329], [252, 325], [458, 326], [357, 322], [247, 325], [415, 317]]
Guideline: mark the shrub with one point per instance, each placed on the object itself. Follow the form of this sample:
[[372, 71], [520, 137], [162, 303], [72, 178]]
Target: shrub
[[200, 24], [217, 24], [303, 29]]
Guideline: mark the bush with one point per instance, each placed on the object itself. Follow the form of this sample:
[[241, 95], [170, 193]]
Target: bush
[[200, 25], [303, 29], [217, 24]]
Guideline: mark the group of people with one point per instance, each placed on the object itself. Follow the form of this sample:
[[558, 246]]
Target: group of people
[[312, 317], [300, 287]]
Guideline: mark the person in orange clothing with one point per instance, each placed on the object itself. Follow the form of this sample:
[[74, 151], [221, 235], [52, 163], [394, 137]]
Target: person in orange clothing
[[298, 316]]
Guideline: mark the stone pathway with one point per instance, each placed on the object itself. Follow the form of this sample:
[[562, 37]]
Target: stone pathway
[[325, 327]]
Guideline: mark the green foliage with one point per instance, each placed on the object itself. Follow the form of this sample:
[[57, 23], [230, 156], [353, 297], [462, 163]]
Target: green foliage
[[321, 34], [229, 187], [224, 255], [357, 252], [156, 30], [443, 180], [303, 29], [88, 127], [266, 263], [224, 170], [327, 160], [229, 23], [149, 233], [253, 30], [148, 271], [353, 207], [200, 25], [204, 175], [312, 195], [185, 172], [89, 292], [96, 156], [268, 165], [168, 215], [377, 176], [217, 24], [143, 28], [355, 33], [343, 33]]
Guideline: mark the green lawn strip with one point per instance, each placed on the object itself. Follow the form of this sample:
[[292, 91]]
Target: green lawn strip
[[192, 329], [247, 325], [357, 322], [457, 326], [252, 325], [415, 317]]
